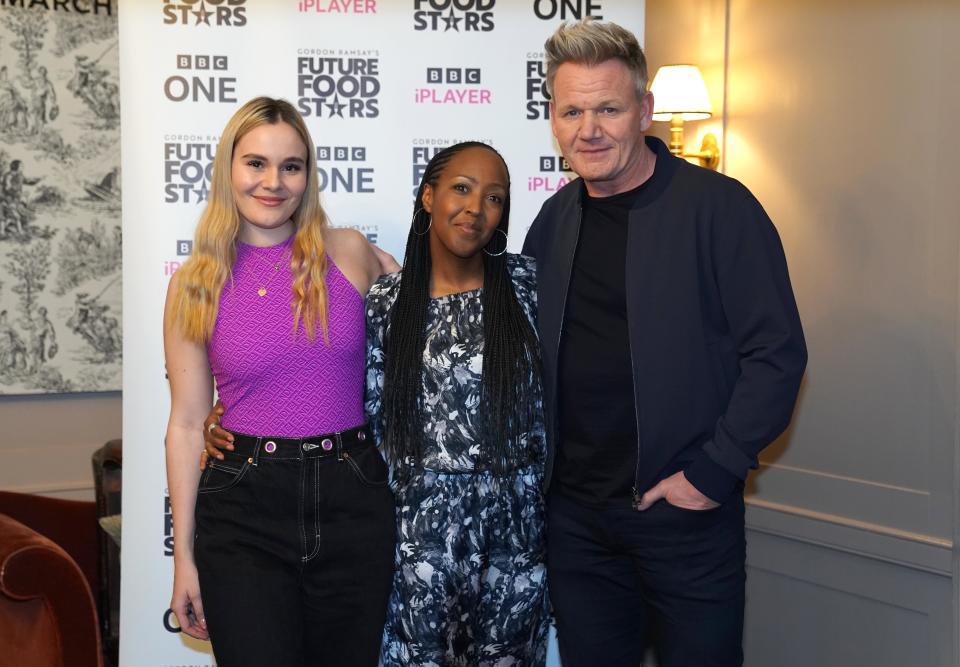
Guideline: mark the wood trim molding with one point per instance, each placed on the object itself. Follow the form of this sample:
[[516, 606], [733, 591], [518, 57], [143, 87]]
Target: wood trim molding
[[53, 488], [845, 478], [858, 500], [917, 551]]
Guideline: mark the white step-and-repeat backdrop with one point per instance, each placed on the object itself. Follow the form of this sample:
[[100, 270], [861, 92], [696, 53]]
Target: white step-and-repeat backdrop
[[383, 85]]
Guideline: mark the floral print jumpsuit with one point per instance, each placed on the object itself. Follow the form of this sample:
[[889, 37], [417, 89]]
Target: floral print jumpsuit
[[470, 586]]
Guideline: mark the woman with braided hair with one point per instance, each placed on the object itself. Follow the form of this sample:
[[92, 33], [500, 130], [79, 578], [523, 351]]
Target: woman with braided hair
[[454, 396]]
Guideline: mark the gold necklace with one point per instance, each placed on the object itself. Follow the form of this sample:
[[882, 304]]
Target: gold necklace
[[274, 268], [262, 291]]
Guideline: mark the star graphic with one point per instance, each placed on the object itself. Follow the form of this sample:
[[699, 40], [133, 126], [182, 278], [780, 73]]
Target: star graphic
[[202, 14], [336, 107], [450, 18], [202, 193]]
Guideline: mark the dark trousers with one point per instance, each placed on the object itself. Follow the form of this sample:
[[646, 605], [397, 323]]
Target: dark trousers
[[623, 580], [294, 548]]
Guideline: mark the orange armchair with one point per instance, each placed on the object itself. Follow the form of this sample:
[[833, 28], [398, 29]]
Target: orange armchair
[[48, 615]]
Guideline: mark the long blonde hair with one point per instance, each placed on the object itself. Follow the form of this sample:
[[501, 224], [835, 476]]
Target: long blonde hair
[[202, 277]]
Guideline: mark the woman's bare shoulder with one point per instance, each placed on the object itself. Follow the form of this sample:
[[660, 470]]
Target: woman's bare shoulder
[[351, 252], [348, 242]]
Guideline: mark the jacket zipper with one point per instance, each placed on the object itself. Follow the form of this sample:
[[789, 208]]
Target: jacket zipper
[[566, 287], [563, 316], [637, 494]]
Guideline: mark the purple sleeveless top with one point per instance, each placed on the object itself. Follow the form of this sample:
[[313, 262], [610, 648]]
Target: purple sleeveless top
[[270, 383]]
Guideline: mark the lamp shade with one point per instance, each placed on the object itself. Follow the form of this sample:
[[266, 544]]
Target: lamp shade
[[679, 89]]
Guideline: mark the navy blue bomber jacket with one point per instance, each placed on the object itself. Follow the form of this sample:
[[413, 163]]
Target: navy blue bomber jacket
[[715, 339]]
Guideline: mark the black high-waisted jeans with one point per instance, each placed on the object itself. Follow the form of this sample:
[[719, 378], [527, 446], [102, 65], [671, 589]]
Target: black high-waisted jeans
[[294, 548]]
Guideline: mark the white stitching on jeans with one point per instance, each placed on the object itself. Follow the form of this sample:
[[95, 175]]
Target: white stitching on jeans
[[237, 476], [363, 478], [316, 517], [303, 532]]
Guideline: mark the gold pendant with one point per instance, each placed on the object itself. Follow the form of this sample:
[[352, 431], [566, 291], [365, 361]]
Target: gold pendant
[[262, 291]]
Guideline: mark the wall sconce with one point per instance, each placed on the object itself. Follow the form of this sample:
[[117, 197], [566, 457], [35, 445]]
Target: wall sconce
[[680, 94]]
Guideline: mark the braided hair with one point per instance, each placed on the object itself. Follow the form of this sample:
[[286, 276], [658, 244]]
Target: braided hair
[[511, 351]]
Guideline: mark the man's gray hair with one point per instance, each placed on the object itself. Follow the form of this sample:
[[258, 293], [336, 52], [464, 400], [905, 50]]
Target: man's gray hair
[[589, 42]]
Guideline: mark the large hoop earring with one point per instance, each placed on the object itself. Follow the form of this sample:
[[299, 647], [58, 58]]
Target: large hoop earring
[[497, 254], [413, 222]]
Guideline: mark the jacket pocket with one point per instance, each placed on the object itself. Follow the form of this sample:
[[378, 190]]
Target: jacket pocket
[[686, 510]]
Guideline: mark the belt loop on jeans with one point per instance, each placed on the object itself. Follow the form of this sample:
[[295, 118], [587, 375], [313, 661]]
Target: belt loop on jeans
[[339, 446], [256, 451]]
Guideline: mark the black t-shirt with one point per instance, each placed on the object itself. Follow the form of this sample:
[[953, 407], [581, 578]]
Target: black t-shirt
[[597, 452]]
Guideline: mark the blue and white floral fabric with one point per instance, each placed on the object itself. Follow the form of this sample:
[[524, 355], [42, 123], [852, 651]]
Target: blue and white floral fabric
[[470, 584]]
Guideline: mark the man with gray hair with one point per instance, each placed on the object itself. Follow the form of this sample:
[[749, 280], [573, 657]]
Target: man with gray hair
[[672, 353]]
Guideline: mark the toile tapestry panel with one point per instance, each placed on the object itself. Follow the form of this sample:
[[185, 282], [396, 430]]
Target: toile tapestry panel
[[60, 305]]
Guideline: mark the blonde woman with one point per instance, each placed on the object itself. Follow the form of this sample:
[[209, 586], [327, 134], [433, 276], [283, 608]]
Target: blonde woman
[[284, 548]]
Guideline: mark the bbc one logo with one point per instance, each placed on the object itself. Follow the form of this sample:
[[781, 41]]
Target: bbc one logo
[[548, 10], [537, 98], [211, 13], [344, 169], [456, 15], [553, 173], [452, 85], [187, 168], [201, 78], [338, 84]]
